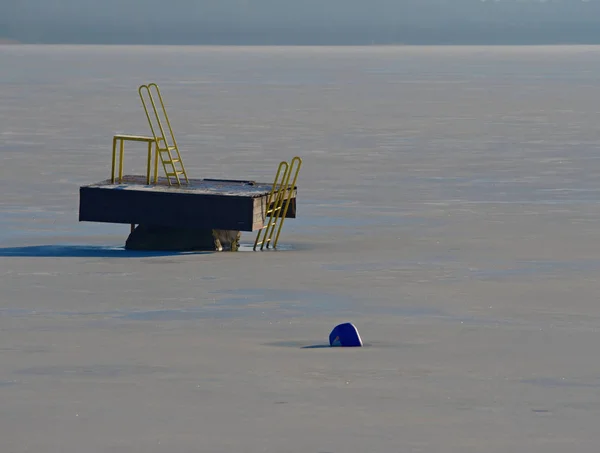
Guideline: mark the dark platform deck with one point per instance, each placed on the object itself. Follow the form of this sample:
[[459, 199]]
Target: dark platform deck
[[204, 203]]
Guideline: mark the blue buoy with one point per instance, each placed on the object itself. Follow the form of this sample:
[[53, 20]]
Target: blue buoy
[[345, 335]]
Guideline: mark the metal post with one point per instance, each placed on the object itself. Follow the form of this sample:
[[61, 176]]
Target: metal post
[[121, 160], [156, 163], [149, 163], [114, 158]]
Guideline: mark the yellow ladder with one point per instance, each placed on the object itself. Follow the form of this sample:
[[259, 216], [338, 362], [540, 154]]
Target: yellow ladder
[[164, 146], [281, 188]]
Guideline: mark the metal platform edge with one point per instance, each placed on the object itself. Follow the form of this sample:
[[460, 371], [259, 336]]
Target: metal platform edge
[[100, 202]]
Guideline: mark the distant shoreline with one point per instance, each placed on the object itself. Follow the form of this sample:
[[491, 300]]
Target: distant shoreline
[[124, 44], [300, 43]]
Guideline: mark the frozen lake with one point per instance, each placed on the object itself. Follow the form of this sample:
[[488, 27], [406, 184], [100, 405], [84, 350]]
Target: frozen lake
[[448, 205]]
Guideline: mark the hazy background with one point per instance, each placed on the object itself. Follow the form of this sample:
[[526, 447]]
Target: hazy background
[[301, 21]]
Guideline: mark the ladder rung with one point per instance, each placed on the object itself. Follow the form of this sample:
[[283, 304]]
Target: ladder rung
[[174, 161], [177, 173]]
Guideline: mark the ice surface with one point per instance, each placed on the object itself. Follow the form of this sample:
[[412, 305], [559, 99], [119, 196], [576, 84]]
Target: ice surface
[[447, 205]]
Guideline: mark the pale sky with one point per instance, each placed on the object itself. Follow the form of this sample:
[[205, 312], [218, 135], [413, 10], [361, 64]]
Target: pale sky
[[300, 21]]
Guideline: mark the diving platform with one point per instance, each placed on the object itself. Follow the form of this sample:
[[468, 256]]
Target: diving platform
[[176, 205], [202, 203]]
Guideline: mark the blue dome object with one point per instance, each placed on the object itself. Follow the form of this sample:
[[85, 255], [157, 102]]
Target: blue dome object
[[345, 335]]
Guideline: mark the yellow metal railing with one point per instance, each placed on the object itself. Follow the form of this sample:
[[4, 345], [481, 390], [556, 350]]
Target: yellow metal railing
[[276, 211], [119, 141], [163, 144]]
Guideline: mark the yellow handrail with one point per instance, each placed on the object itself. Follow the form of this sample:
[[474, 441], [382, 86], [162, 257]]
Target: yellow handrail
[[156, 114], [288, 188], [163, 136], [156, 117], [276, 211], [120, 139], [279, 191], [270, 211]]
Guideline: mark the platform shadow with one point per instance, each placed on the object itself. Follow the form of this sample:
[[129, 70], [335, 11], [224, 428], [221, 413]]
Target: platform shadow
[[316, 346], [84, 251]]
